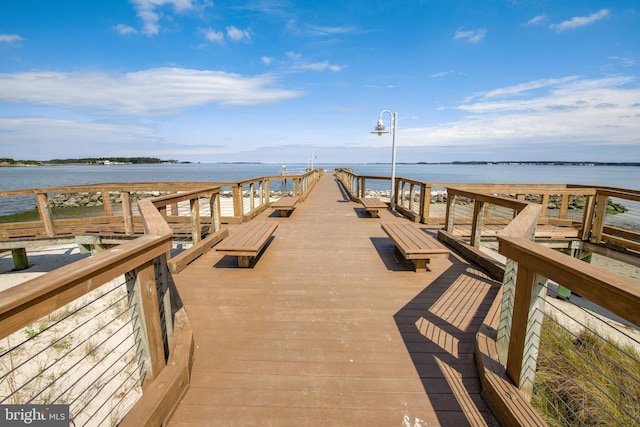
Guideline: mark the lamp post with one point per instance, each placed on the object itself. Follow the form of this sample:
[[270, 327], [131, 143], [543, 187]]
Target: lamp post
[[379, 131]]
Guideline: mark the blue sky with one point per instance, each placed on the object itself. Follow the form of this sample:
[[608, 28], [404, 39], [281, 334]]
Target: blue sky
[[279, 80]]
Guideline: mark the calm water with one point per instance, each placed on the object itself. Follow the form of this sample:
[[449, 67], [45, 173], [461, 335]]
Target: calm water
[[53, 176]]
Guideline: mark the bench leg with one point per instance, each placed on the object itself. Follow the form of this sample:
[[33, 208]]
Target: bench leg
[[374, 213], [283, 212], [244, 261], [420, 265], [20, 261]]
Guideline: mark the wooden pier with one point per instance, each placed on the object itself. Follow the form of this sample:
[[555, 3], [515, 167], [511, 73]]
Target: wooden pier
[[328, 323], [331, 326]]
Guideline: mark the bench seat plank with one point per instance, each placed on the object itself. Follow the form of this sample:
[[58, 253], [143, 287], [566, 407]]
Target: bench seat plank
[[285, 204], [414, 244], [247, 241], [372, 204]]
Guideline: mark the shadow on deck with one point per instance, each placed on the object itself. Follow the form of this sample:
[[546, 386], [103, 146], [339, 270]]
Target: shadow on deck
[[332, 327]]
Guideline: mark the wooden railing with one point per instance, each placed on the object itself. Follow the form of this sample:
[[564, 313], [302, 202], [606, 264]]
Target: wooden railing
[[413, 198], [166, 334], [600, 233], [510, 336], [120, 221]]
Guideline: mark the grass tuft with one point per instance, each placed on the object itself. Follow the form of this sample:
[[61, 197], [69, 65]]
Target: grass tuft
[[584, 379]]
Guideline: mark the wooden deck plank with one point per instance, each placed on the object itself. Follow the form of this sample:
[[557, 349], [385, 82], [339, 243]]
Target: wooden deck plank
[[332, 327]]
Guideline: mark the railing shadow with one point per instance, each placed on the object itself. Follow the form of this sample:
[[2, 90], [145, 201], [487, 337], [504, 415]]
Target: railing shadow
[[439, 327]]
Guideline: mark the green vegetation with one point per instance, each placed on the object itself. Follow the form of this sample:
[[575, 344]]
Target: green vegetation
[[616, 208], [585, 379], [86, 161], [58, 213]]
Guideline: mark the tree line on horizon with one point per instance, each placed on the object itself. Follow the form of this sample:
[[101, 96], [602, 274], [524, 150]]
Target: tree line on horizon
[[88, 161]]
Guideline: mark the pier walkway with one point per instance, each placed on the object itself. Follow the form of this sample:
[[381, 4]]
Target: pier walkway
[[332, 327]]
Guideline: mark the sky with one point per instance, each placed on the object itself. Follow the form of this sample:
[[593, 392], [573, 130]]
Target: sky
[[287, 81]]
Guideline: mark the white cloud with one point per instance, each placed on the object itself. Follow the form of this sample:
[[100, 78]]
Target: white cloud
[[10, 38], [153, 91], [212, 35], [148, 11], [237, 34], [125, 29], [472, 36], [580, 21], [47, 138], [536, 20], [441, 74], [266, 60], [45, 128], [603, 111], [625, 61], [318, 66], [520, 88], [298, 64], [318, 30]]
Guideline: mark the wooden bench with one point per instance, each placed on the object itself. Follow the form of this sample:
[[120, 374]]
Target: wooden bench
[[247, 241], [415, 244], [372, 204], [285, 205]]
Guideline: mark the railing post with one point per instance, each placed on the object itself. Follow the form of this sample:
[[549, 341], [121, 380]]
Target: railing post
[[450, 213], [214, 210], [564, 206], [545, 205], [476, 225], [425, 202], [106, 202], [165, 302], [525, 329], [127, 212], [194, 205], [143, 296], [252, 202], [412, 187], [587, 217], [506, 308], [363, 187], [598, 224], [267, 192], [44, 209], [238, 205]]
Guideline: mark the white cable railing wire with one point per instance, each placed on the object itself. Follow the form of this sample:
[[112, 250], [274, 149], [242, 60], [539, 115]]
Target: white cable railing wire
[[86, 355], [380, 188], [588, 369], [494, 219]]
